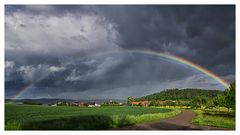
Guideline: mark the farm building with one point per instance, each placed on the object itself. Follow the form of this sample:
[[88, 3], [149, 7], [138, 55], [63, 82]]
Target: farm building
[[142, 103]]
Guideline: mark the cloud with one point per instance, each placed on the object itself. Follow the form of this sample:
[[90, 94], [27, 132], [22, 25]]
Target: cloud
[[9, 64], [98, 68], [229, 78], [63, 49], [33, 73], [178, 47], [192, 32], [9, 69], [102, 68], [73, 76], [59, 35], [56, 69]]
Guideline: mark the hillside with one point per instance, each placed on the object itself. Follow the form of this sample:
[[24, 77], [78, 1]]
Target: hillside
[[180, 94]]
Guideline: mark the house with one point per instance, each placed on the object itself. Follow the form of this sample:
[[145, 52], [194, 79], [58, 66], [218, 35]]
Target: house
[[79, 104], [143, 103], [135, 103], [54, 105], [97, 105], [67, 104], [87, 104], [90, 105], [74, 104], [83, 104]]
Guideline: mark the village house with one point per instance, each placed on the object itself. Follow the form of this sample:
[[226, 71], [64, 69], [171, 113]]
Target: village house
[[135, 103], [142, 103], [79, 104]]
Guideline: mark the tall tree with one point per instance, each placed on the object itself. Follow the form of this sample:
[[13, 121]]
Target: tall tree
[[230, 97], [219, 101], [130, 100]]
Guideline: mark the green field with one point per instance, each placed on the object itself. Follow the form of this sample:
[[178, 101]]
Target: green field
[[23, 117], [216, 118]]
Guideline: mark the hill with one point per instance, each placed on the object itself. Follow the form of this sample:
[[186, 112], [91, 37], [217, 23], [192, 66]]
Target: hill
[[180, 94]]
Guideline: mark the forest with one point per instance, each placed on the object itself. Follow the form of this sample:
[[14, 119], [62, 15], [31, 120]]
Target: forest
[[180, 94]]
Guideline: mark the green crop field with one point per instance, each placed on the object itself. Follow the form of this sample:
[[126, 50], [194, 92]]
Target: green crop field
[[21, 117]]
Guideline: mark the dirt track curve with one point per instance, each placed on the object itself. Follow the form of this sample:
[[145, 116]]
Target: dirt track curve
[[180, 122]]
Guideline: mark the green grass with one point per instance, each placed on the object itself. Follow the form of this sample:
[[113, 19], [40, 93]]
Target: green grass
[[221, 119], [21, 117]]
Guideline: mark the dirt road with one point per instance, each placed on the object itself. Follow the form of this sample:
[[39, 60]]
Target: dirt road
[[180, 122]]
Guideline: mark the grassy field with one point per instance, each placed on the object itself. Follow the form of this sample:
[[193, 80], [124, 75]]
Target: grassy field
[[21, 117], [216, 118]]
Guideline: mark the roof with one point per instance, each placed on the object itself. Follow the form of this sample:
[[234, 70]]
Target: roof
[[136, 103]]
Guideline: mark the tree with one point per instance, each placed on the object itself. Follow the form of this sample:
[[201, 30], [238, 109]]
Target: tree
[[130, 100], [199, 101], [219, 101], [182, 94], [204, 101], [210, 104], [173, 103], [170, 103], [230, 97], [179, 103], [196, 102], [153, 103], [185, 104]]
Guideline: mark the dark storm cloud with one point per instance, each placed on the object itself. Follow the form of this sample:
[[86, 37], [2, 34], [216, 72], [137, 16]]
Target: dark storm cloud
[[51, 46], [203, 31]]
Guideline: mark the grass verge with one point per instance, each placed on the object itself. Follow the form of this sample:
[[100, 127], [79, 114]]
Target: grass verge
[[128, 120], [215, 118]]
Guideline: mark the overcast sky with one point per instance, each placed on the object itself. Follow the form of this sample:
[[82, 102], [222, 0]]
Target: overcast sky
[[61, 51]]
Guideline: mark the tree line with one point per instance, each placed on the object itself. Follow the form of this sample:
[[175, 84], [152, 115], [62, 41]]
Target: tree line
[[180, 94], [194, 98]]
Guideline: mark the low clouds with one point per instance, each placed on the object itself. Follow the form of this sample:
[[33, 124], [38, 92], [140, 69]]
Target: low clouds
[[33, 73], [64, 50]]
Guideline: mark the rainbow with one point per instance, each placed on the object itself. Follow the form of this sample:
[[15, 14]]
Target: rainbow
[[22, 90], [146, 52], [185, 62]]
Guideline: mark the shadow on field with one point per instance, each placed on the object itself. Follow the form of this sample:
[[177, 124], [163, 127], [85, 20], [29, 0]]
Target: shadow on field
[[87, 122]]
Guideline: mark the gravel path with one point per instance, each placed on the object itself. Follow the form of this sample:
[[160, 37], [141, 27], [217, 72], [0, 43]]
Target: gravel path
[[180, 122]]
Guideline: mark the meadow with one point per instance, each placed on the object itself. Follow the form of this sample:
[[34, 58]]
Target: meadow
[[30, 117], [215, 117]]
